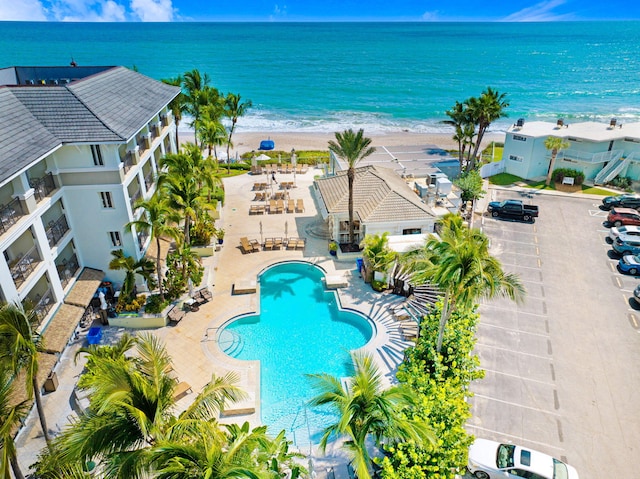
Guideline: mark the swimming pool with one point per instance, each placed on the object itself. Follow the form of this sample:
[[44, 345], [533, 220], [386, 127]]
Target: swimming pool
[[300, 330]]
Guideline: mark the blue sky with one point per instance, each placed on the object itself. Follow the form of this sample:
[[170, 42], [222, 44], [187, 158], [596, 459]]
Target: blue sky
[[318, 10]]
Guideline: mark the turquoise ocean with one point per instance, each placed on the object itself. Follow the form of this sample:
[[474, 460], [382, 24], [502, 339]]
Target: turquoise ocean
[[384, 77]]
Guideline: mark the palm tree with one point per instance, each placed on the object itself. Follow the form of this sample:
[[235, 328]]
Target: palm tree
[[485, 110], [376, 251], [212, 134], [20, 345], [195, 84], [366, 409], [158, 220], [11, 416], [178, 105], [143, 267], [351, 147], [461, 265], [234, 109], [555, 144], [464, 129]]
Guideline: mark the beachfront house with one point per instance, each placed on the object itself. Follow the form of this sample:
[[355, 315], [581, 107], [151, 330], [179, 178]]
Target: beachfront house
[[602, 151], [78, 147], [383, 202]]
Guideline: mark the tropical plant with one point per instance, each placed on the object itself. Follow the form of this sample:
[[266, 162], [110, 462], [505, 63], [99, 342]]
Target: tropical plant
[[182, 265], [559, 174], [11, 416], [351, 147], [459, 262], [20, 345], [486, 109], [470, 183], [178, 104], [376, 251], [234, 109], [194, 84], [464, 130], [212, 134], [158, 220], [143, 267], [554, 144], [365, 409]]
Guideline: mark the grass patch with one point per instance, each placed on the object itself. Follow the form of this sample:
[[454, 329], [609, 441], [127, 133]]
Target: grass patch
[[593, 190], [504, 179]]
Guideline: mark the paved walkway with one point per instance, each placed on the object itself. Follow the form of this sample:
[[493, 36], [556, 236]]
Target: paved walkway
[[192, 342]]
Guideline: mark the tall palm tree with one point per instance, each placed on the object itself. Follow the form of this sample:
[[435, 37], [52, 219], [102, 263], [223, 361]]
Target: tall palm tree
[[212, 134], [365, 409], [195, 84], [20, 345], [143, 267], [460, 263], [555, 144], [234, 109], [158, 220], [464, 129], [11, 416], [178, 105], [485, 110], [376, 251], [351, 147]]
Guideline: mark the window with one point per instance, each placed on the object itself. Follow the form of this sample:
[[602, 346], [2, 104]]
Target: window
[[519, 138], [97, 155], [516, 158], [116, 241], [412, 231], [107, 200]]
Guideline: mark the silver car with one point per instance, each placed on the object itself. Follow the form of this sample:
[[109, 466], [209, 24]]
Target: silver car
[[616, 231], [491, 460]]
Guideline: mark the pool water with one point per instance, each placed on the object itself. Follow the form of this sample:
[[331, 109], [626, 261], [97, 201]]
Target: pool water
[[300, 330]]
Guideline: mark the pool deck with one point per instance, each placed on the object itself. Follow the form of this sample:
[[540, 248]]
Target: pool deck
[[223, 271]]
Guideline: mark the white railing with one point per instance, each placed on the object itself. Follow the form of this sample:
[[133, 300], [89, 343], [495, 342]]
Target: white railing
[[612, 169], [585, 157]]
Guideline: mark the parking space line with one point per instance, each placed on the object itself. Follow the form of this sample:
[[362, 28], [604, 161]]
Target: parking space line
[[515, 330], [510, 403], [547, 358], [519, 438], [506, 309], [523, 267], [507, 240], [546, 383]]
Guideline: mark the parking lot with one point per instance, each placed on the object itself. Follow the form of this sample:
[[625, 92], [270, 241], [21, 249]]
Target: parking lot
[[562, 368]]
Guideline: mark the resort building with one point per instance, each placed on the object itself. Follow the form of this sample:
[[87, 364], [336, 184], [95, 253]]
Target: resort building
[[78, 147], [601, 151], [383, 202]]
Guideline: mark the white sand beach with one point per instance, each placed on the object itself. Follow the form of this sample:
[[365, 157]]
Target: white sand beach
[[285, 141]]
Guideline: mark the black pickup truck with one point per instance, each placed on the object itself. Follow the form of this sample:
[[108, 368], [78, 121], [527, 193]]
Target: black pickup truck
[[513, 209]]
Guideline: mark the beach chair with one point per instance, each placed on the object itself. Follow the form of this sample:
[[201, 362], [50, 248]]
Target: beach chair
[[175, 315], [291, 243], [298, 168], [300, 243], [288, 168], [291, 206], [279, 206], [182, 389], [272, 207], [203, 296], [299, 205], [268, 243], [277, 243], [246, 246]]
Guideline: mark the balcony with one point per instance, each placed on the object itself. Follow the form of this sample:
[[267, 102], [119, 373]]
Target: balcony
[[164, 121], [42, 186], [142, 142], [23, 266], [43, 306], [67, 269], [142, 239], [154, 131], [56, 230], [148, 180], [134, 198], [128, 161], [10, 214]]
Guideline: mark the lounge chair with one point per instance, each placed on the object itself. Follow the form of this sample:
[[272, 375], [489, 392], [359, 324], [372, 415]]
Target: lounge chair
[[299, 205], [247, 247], [300, 243], [268, 243], [298, 168], [288, 170], [277, 243], [291, 206], [175, 315], [291, 243], [272, 207], [203, 296], [182, 389], [279, 206]]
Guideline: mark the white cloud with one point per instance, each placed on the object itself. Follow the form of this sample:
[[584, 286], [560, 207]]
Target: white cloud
[[540, 12], [22, 10], [430, 16], [88, 11], [153, 10]]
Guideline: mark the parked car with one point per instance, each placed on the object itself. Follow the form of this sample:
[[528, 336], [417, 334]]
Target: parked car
[[619, 201], [513, 209], [623, 216], [630, 230], [636, 294], [626, 245], [630, 263], [490, 459]]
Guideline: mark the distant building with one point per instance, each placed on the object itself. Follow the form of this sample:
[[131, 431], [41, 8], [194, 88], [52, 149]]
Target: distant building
[[78, 147], [601, 151]]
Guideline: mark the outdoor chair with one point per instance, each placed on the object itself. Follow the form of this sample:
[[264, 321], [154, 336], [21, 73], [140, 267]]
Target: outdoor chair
[[176, 315], [299, 205], [279, 206], [246, 246], [291, 206], [272, 207]]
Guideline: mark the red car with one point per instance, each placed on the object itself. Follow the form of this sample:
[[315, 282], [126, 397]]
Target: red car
[[623, 216]]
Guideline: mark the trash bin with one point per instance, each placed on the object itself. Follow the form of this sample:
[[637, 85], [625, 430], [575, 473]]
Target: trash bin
[[95, 335], [51, 383], [359, 264]]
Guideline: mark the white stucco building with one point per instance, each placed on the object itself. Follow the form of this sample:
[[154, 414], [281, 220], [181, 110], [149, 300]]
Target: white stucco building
[[601, 151], [78, 147]]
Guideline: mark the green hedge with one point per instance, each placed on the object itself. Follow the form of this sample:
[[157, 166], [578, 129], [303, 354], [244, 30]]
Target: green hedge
[[562, 173]]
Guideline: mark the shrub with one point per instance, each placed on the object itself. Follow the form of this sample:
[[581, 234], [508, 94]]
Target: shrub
[[203, 230], [622, 182], [154, 304], [378, 285], [561, 173], [134, 305]]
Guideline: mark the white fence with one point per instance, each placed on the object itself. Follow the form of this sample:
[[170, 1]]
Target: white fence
[[491, 169]]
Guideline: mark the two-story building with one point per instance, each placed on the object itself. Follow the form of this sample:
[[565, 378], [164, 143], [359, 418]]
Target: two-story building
[[78, 147]]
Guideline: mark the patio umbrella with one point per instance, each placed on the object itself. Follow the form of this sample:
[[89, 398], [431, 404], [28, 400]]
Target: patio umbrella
[[260, 231], [190, 286], [286, 229], [263, 157]]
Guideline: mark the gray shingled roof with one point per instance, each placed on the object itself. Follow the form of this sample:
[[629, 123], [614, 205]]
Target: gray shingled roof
[[110, 106], [379, 195]]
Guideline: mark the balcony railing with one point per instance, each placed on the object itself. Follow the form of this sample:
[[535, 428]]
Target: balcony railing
[[142, 239], [134, 198], [155, 131], [56, 230], [43, 305], [67, 269], [23, 266], [142, 142], [10, 214], [128, 161], [164, 121], [148, 180], [42, 186]]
